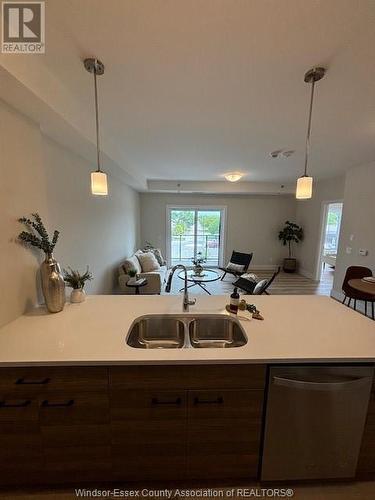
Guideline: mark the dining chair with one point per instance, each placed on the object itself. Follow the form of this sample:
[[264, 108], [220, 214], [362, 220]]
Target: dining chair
[[356, 272]]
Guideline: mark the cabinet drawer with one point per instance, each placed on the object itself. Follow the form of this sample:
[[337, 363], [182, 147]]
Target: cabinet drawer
[[147, 377], [226, 376], [188, 377], [72, 409], [14, 410], [39, 380], [225, 404], [147, 405]]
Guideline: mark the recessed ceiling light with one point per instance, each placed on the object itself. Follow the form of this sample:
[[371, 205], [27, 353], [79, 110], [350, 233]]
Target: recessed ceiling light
[[233, 176]]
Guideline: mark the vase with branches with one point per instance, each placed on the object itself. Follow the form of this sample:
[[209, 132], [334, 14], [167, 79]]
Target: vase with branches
[[290, 234], [53, 285]]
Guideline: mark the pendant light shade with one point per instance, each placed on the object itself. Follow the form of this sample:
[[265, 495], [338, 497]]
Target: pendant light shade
[[304, 188], [305, 183], [233, 176], [99, 183]]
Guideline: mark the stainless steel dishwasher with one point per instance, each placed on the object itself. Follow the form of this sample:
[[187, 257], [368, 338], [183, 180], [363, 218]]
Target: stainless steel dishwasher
[[315, 418]]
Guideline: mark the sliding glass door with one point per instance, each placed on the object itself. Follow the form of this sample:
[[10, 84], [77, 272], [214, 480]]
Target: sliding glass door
[[195, 230]]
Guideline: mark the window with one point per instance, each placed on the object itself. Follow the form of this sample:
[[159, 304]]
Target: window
[[193, 230]]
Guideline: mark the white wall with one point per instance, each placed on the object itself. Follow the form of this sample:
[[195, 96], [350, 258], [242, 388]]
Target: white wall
[[39, 175], [309, 216], [253, 222], [358, 221]]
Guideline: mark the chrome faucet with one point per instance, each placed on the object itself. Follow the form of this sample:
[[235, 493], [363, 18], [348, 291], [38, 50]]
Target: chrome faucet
[[186, 302]]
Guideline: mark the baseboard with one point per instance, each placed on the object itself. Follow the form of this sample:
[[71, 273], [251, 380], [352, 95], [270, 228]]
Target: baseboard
[[337, 295], [263, 267], [306, 274]]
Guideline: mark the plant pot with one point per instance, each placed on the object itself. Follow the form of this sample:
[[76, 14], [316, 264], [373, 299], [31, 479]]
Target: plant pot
[[78, 295], [53, 285], [290, 265]]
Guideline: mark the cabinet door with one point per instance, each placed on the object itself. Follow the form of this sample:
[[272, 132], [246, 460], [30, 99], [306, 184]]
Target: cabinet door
[[224, 429], [21, 457], [75, 434], [148, 434], [366, 461]]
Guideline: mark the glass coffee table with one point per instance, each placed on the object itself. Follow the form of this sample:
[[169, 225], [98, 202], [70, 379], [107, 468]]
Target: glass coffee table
[[207, 276]]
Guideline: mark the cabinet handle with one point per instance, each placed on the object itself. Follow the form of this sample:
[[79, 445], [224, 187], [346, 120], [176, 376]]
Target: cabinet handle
[[47, 404], [4, 404], [156, 401], [22, 381], [217, 401]]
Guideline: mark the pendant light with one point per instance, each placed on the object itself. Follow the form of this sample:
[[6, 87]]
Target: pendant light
[[305, 183], [99, 184]]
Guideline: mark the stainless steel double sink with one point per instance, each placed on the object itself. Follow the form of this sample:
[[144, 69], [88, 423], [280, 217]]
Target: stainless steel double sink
[[177, 332]]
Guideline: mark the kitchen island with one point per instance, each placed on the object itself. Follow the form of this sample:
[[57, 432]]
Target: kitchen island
[[295, 329], [77, 403]]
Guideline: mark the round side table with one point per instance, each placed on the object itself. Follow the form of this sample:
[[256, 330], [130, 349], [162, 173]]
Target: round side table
[[137, 286]]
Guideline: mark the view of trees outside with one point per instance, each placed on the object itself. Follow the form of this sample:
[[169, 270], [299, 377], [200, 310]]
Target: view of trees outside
[[194, 231], [333, 223]]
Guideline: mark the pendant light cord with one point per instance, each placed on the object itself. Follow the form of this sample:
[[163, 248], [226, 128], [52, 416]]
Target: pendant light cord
[[97, 120], [307, 149]]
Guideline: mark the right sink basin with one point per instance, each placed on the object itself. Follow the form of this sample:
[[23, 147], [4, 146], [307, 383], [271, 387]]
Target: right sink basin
[[216, 332]]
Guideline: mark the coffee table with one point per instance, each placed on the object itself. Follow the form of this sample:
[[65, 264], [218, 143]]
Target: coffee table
[[207, 276]]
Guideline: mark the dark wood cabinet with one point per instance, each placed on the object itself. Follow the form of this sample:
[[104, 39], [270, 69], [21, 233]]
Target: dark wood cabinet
[[21, 454], [66, 424], [148, 429], [224, 428]]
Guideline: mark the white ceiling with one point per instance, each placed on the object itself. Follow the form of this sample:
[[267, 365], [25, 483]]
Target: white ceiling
[[196, 88]]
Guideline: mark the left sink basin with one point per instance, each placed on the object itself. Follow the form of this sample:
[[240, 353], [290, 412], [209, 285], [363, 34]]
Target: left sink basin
[[157, 332]]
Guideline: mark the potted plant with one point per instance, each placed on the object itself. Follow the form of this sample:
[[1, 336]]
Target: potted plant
[[53, 285], [291, 233], [198, 262], [76, 280]]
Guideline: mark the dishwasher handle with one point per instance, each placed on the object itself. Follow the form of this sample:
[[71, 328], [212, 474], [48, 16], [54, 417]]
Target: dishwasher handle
[[320, 386]]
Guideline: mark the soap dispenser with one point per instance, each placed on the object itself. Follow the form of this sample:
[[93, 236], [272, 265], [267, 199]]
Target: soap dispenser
[[234, 301]]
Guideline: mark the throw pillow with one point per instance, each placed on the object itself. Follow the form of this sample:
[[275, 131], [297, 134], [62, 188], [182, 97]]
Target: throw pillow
[[148, 262], [132, 264], [237, 268], [157, 253], [250, 277]]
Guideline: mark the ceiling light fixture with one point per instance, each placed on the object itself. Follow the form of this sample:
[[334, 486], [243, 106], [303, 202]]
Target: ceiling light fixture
[[305, 182], [99, 184], [233, 176]]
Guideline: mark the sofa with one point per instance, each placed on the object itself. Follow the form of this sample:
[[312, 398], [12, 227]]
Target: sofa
[[155, 272]]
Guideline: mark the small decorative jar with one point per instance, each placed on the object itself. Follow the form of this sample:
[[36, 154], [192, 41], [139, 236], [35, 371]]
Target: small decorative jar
[[77, 295]]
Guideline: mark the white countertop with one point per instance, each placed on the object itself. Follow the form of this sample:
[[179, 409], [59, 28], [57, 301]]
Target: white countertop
[[296, 329]]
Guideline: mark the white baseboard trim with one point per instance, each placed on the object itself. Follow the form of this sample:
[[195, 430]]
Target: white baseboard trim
[[306, 274], [263, 267], [337, 295]]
